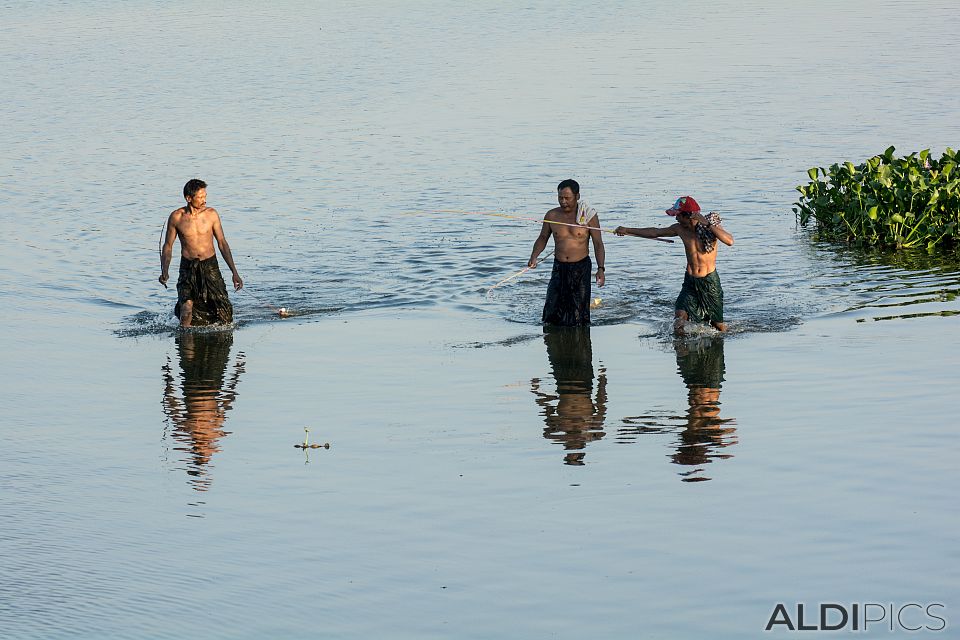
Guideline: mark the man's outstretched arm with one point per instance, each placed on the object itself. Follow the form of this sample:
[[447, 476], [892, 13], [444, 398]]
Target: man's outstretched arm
[[648, 232]]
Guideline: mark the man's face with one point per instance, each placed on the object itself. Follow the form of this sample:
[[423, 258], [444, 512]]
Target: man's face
[[198, 200], [685, 219], [567, 199]]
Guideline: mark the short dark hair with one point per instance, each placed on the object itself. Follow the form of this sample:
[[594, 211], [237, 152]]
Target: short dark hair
[[571, 184], [190, 189]]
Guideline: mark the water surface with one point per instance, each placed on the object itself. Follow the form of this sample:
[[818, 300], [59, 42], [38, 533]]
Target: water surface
[[485, 478]]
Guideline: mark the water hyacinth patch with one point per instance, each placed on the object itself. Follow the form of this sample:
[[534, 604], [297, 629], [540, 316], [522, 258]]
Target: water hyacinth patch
[[913, 201]]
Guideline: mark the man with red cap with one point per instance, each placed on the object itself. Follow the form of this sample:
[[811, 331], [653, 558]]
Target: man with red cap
[[701, 298]]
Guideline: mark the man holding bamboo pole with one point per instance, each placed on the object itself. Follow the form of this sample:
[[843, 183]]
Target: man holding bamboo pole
[[571, 225]]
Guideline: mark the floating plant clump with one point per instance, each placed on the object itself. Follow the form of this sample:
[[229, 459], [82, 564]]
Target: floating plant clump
[[913, 201]]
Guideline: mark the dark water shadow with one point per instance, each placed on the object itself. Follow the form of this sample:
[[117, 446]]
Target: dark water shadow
[[703, 436], [197, 397], [574, 415]]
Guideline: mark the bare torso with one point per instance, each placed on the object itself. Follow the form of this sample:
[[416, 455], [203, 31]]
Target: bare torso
[[700, 263], [195, 231], [197, 226], [570, 243]]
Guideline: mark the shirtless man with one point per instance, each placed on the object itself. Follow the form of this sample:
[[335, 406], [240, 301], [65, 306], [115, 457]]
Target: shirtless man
[[568, 295], [201, 295], [701, 298]]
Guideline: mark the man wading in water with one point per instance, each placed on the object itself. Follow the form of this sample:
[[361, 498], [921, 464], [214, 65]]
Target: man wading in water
[[568, 295], [701, 298], [201, 295]]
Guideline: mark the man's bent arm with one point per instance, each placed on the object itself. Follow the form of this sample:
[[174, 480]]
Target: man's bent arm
[[598, 249], [166, 250], [225, 251], [722, 234], [539, 244], [599, 252]]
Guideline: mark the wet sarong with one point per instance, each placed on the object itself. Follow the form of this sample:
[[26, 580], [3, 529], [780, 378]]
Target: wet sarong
[[701, 298], [200, 281], [568, 294]]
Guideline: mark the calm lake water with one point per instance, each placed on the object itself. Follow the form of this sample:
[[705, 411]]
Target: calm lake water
[[484, 478]]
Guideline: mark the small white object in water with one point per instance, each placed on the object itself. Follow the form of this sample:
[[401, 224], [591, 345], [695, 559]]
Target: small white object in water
[[282, 312], [596, 303]]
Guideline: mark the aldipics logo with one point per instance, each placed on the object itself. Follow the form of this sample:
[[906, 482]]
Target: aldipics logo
[[867, 616]]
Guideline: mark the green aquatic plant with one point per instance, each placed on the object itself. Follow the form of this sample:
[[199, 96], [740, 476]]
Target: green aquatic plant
[[912, 201]]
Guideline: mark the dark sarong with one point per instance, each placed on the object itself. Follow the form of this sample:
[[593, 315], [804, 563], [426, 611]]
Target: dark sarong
[[200, 281], [701, 298], [568, 294]]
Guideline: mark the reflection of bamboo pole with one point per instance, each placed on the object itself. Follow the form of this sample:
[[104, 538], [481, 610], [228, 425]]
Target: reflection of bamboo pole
[[537, 220], [519, 273]]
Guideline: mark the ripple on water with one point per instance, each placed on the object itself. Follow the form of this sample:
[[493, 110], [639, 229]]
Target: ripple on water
[[875, 285]]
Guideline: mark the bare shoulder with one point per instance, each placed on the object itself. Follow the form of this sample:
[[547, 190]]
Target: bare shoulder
[[552, 214], [175, 216], [211, 217]]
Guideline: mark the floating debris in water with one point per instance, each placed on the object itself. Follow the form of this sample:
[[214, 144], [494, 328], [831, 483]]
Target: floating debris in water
[[283, 313], [595, 303], [306, 442]]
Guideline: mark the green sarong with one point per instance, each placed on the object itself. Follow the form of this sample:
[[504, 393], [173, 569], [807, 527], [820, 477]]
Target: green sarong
[[200, 281], [701, 298]]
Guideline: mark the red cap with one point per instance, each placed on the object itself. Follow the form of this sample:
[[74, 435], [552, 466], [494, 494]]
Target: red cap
[[684, 204]]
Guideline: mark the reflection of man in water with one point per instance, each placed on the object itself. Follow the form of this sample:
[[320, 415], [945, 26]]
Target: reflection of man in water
[[200, 410], [573, 416], [702, 368]]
